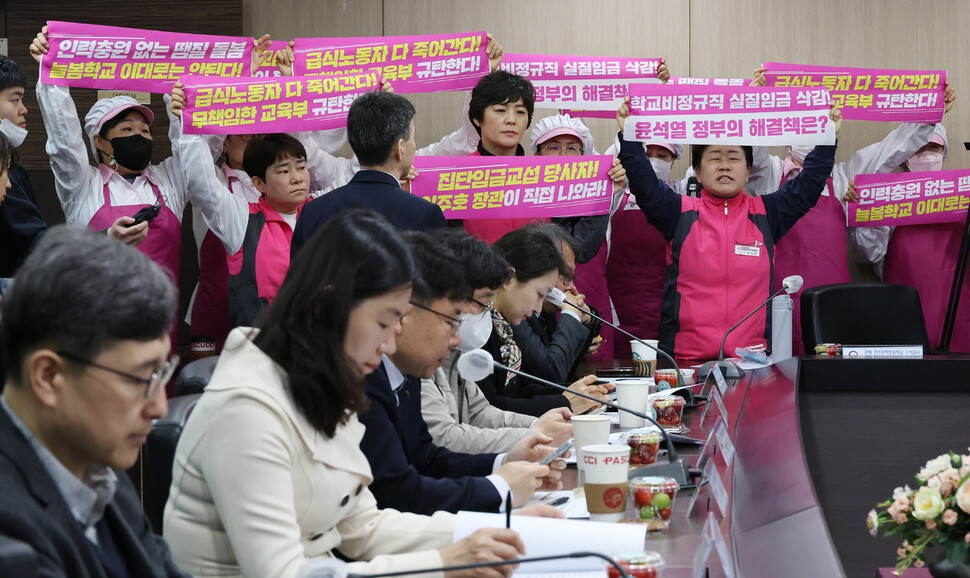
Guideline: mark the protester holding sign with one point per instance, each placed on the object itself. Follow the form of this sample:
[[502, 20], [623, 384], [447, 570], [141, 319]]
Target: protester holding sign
[[923, 255], [815, 246], [709, 285]]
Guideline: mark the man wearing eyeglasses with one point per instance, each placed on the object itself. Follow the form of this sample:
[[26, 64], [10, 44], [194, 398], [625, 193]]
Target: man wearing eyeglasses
[[86, 358], [411, 473]]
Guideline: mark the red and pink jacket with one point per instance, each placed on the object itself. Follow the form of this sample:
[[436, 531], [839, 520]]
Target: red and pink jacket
[[719, 252]]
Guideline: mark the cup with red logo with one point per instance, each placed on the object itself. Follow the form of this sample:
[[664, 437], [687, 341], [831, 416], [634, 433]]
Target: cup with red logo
[[606, 481]]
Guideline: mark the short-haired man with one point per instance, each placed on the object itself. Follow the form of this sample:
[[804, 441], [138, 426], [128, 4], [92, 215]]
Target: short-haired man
[[458, 414], [86, 356], [380, 128], [411, 473], [21, 221]]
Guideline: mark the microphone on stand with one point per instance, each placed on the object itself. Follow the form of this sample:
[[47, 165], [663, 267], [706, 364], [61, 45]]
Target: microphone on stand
[[611, 561], [558, 298], [731, 370], [476, 365]]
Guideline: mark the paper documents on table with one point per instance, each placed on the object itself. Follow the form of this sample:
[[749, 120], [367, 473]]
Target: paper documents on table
[[550, 537]]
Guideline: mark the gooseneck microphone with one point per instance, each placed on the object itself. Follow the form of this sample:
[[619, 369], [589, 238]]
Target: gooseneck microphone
[[609, 560], [558, 298], [731, 370], [476, 365]]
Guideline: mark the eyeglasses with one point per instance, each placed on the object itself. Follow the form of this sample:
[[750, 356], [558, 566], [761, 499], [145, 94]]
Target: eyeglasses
[[454, 322], [485, 306], [159, 378], [557, 149]]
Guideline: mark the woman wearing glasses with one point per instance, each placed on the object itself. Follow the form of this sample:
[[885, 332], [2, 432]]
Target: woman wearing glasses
[[268, 472]]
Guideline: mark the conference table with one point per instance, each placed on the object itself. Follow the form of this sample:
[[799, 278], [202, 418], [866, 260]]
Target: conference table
[[819, 441]]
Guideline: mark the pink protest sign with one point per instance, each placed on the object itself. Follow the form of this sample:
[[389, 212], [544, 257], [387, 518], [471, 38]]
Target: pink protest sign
[[736, 115], [509, 187], [427, 63], [268, 67], [113, 58], [271, 104], [708, 81], [868, 93], [581, 83], [911, 198]]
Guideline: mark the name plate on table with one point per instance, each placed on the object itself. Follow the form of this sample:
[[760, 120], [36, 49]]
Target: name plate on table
[[713, 479], [712, 538], [883, 351]]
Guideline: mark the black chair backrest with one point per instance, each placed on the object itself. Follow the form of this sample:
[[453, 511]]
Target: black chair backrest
[[863, 314], [159, 455], [194, 376], [17, 558]]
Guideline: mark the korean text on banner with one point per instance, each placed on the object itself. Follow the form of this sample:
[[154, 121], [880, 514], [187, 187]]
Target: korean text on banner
[[911, 198], [867, 93], [508, 187], [271, 104], [734, 115], [427, 63], [581, 83], [113, 58]]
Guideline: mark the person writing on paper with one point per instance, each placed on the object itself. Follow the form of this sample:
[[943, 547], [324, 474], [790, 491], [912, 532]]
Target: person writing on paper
[[721, 244], [923, 256], [815, 247], [537, 266], [458, 415], [268, 473]]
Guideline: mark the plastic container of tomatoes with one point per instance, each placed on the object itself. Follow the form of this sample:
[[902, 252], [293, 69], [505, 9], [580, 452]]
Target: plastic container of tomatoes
[[653, 500], [637, 565]]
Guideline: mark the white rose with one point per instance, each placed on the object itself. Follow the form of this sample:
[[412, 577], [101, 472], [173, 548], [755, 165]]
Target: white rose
[[872, 522], [934, 483], [927, 504], [934, 466], [963, 497], [902, 492]]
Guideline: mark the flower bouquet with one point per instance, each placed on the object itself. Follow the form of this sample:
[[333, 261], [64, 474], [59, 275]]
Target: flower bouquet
[[936, 512]]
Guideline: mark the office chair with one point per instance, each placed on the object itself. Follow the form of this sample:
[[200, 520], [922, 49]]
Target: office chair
[[194, 376], [158, 455]]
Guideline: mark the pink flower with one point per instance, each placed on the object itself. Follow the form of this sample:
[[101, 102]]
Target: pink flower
[[900, 552], [949, 517], [918, 563], [930, 524]]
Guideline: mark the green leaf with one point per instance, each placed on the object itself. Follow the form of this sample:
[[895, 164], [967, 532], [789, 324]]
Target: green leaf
[[956, 550]]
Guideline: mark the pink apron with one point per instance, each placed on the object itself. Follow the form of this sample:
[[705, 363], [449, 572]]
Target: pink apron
[[924, 257], [635, 274], [815, 249], [591, 282], [164, 242]]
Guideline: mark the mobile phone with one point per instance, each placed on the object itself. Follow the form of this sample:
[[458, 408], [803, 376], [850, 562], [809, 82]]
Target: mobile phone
[[149, 213], [559, 452]]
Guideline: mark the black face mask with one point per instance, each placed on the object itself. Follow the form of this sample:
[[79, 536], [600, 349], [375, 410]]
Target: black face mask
[[132, 152]]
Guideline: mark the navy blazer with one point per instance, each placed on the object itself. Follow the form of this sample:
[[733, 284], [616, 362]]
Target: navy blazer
[[32, 510], [411, 473], [369, 190], [21, 222]]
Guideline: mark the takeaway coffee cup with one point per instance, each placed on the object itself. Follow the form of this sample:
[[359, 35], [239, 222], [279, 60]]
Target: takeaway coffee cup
[[644, 358], [606, 484], [632, 393], [589, 430]]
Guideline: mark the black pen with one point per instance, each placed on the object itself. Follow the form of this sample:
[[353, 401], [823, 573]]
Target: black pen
[[559, 501], [508, 510]]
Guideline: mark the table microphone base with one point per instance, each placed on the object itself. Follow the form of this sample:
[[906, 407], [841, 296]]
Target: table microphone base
[[729, 370], [679, 470]]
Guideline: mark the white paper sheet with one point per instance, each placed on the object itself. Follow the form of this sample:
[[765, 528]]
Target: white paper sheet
[[549, 536]]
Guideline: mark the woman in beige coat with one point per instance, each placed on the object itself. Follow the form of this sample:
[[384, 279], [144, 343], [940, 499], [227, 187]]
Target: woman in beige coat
[[268, 472]]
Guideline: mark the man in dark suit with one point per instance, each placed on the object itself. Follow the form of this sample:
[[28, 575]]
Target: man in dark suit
[[86, 358], [411, 473], [380, 128]]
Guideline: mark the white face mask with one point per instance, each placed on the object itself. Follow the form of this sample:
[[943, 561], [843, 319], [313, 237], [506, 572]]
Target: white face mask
[[14, 133], [475, 330], [662, 168], [799, 152], [925, 161]]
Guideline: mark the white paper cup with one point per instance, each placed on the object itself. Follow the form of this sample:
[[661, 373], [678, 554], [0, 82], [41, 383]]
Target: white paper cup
[[589, 430], [606, 485], [632, 393], [644, 358]]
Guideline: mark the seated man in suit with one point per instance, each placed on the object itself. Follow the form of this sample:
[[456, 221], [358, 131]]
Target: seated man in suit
[[410, 472], [380, 128], [86, 358]]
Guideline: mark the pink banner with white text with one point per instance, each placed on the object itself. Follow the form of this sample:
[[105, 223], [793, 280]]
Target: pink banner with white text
[[515, 187], [581, 83], [426, 63], [869, 93], [911, 198], [734, 115], [114, 58], [271, 104]]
